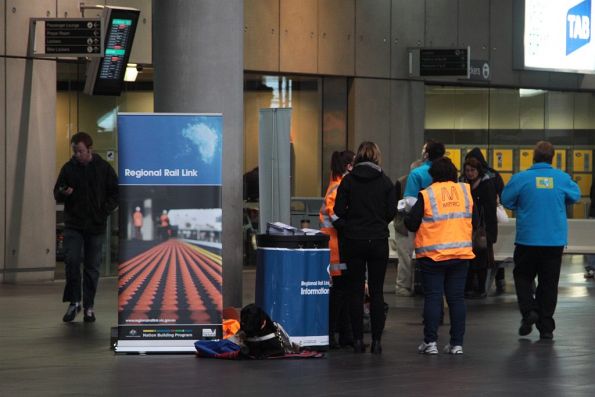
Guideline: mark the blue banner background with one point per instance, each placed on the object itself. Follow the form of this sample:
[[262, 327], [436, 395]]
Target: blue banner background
[[170, 149]]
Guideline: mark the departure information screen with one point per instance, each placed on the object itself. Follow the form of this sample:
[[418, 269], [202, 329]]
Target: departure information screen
[[118, 35], [120, 29]]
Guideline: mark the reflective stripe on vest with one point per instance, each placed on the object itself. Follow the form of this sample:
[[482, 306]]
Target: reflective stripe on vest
[[446, 235], [338, 267]]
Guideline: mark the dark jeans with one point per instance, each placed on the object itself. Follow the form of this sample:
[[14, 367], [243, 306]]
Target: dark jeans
[[439, 279], [75, 243], [373, 255], [545, 263]]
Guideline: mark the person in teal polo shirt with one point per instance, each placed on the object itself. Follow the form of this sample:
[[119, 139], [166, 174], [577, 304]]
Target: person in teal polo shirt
[[539, 196]]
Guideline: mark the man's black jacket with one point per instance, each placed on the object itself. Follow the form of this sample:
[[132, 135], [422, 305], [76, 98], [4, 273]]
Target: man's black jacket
[[94, 197]]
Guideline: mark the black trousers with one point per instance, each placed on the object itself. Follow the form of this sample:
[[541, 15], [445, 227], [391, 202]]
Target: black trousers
[[339, 319], [545, 263], [373, 256]]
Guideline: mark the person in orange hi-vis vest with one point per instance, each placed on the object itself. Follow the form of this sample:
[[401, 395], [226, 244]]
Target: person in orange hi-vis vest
[[443, 218], [341, 164], [137, 222], [164, 225]]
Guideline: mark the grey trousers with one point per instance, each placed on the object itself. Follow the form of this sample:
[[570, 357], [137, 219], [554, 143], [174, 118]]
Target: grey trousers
[[404, 280]]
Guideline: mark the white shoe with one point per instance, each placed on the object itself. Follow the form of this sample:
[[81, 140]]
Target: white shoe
[[403, 292], [427, 348], [453, 349]]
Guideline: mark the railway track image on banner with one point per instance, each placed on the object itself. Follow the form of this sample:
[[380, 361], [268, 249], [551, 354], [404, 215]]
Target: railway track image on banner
[[174, 282]]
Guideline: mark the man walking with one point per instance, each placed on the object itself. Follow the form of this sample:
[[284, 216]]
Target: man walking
[[539, 196], [88, 187]]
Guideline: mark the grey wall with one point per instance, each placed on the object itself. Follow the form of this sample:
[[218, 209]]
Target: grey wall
[[315, 38]]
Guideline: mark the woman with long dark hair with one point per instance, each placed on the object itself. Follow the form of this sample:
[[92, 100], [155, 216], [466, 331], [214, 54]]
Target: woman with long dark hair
[[330, 223], [485, 200]]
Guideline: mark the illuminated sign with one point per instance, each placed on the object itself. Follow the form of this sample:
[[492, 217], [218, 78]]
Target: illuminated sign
[[105, 76], [557, 36]]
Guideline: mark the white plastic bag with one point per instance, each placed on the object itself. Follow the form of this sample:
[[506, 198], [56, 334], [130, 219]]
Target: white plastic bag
[[501, 214]]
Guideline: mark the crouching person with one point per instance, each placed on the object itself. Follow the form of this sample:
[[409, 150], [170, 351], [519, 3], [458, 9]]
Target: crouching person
[[442, 219]]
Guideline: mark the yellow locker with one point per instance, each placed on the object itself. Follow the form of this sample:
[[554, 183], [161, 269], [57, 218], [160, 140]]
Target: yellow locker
[[559, 160], [502, 159], [582, 160], [584, 182], [454, 155], [525, 159], [506, 176], [579, 210]]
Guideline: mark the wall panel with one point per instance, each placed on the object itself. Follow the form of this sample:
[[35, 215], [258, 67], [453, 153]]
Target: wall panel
[[261, 35], [372, 49], [18, 14], [407, 30], [441, 23], [336, 49], [406, 126], [71, 9], [30, 157], [501, 43], [474, 27], [370, 121], [299, 36], [2, 139]]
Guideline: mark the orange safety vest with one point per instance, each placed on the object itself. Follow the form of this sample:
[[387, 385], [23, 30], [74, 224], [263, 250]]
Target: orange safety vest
[[137, 218], [327, 217], [446, 228]]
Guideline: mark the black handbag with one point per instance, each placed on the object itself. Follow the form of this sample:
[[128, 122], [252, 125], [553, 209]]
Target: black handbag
[[479, 236]]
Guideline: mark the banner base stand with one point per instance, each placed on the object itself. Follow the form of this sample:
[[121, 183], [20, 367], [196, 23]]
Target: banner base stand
[[155, 346]]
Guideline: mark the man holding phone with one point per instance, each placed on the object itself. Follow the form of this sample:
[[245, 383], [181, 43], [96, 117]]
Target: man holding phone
[[88, 187]]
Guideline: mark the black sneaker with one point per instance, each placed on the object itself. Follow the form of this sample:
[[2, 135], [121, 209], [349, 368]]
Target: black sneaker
[[71, 312], [89, 315], [527, 323]]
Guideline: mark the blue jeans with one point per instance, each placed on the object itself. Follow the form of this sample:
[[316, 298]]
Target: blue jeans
[[80, 247], [439, 279]]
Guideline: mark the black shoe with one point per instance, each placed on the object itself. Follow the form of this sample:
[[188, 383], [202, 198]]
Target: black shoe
[[478, 295], [376, 347], [546, 335], [89, 315], [358, 346], [332, 342], [71, 312], [527, 323]]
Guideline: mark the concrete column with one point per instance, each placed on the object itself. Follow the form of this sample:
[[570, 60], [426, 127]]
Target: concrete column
[[198, 59], [27, 136]]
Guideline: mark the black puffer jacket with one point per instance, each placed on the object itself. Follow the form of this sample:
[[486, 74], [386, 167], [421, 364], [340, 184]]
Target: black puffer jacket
[[94, 196], [366, 203]]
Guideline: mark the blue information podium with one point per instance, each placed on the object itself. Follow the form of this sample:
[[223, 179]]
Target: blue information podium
[[292, 285]]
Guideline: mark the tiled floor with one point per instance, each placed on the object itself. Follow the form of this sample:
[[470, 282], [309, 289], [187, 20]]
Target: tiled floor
[[41, 356]]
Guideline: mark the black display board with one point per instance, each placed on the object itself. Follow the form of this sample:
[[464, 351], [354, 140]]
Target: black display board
[[105, 76]]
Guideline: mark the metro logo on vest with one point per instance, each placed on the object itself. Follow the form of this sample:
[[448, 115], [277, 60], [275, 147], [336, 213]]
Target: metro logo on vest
[[450, 199], [578, 26]]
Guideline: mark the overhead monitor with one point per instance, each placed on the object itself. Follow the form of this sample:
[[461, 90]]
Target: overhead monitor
[[557, 36], [105, 76]]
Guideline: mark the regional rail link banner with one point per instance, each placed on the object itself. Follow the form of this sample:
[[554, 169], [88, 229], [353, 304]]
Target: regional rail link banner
[[170, 268]]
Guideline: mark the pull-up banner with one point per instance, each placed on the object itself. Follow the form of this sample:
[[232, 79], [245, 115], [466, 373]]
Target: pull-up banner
[[170, 267]]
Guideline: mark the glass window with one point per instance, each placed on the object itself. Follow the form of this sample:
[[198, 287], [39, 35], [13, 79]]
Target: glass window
[[506, 124]]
